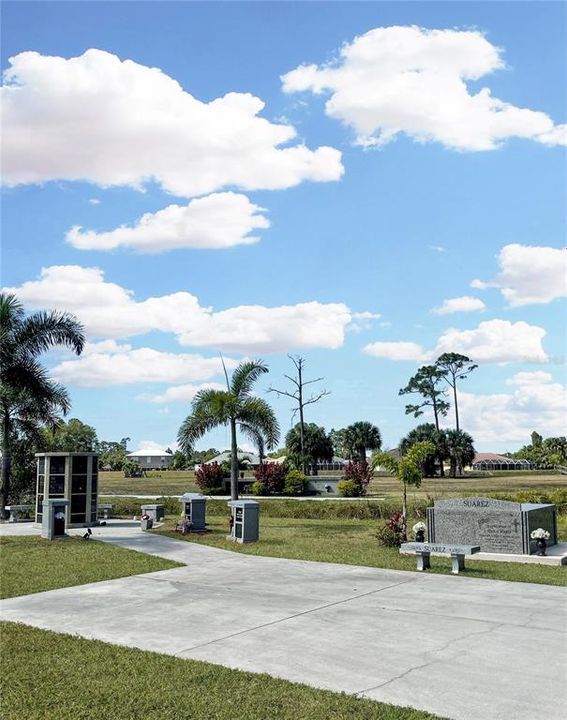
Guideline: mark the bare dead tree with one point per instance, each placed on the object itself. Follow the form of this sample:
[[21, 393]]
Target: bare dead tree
[[298, 395]]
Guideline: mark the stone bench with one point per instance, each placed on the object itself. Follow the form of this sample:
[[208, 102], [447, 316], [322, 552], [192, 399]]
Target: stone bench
[[424, 551], [20, 513]]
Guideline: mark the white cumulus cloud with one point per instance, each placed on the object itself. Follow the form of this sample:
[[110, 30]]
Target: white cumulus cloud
[[493, 341], [216, 221], [529, 274], [111, 311], [396, 351], [465, 303], [536, 403], [121, 365], [413, 80], [112, 122], [496, 341], [181, 393]]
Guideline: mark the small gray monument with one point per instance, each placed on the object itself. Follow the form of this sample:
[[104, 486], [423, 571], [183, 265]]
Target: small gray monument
[[53, 522], [244, 520], [193, 508], [154, 512], [498, 526]]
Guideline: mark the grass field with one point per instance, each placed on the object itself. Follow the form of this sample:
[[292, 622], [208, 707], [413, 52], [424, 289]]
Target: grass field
[[47, 676], [30, 564], [171, 482], [353, 542]]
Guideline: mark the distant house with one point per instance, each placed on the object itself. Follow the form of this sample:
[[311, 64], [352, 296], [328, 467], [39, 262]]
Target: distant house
[[493, 461], [248, 457], [154, 459], [337, 463]]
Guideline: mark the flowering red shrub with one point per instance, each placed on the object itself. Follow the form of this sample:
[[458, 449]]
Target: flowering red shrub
[[360, 473], [392, 534], [210, 478], [272, 476]]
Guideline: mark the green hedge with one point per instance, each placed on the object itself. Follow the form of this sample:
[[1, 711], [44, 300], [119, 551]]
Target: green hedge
[[556, 497], [367, 509], [308, 509]]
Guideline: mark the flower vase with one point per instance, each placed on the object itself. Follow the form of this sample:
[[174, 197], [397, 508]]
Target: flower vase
[[541, 546], [420, 536]]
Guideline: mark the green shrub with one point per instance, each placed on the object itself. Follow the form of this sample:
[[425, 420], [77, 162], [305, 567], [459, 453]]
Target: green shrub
[[348, 488], [556, 497], [258, 488], [131, 469], [366, 509], [294, 483]]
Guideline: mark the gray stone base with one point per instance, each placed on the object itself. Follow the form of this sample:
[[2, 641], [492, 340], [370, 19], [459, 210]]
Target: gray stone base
[[556, 555]]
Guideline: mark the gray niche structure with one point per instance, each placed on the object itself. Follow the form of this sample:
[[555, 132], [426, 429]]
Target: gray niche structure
[[193, 509], [54, 518], [498, 526], [244, 520]]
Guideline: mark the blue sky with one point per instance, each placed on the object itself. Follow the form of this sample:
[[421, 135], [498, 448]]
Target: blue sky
[[390, 179]]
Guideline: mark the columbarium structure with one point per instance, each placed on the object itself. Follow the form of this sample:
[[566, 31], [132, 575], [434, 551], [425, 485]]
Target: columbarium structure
[[72, 477]]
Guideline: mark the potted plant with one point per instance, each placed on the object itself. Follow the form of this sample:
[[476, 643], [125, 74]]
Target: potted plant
[[419, 531], [541, 537]]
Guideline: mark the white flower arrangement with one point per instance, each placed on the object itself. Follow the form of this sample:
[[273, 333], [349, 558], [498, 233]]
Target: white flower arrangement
[[540, 534], [419, 527]]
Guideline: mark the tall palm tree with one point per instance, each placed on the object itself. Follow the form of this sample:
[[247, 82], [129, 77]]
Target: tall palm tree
[[27, 395], [461, 450], [308, 448], [235, 407], [438, 438], [360, 437]]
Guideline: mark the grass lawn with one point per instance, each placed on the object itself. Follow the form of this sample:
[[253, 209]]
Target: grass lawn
[[166, 482], [386, 485], [50, 676], [353, 542], [172, 482], [30, 564]]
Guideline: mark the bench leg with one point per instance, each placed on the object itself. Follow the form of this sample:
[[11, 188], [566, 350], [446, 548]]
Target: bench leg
[[423, 560], [458, 562]]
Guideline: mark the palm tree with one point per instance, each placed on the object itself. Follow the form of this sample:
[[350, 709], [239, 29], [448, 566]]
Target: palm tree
[[360, 437], [235, 407], [438, 438], [308, 446], [27, 395], [461, 450]]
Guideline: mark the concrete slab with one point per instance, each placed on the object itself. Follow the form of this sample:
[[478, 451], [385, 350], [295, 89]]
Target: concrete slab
[[463, 648]]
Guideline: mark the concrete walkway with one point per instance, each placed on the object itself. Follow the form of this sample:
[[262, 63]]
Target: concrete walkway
[[462, 648]]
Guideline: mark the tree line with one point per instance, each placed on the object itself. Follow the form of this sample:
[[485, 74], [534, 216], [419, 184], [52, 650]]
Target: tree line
[[32, 406]]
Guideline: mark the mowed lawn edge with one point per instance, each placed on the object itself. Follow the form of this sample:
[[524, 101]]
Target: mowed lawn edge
[[31, 565], [51, 676], [354, 542]]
